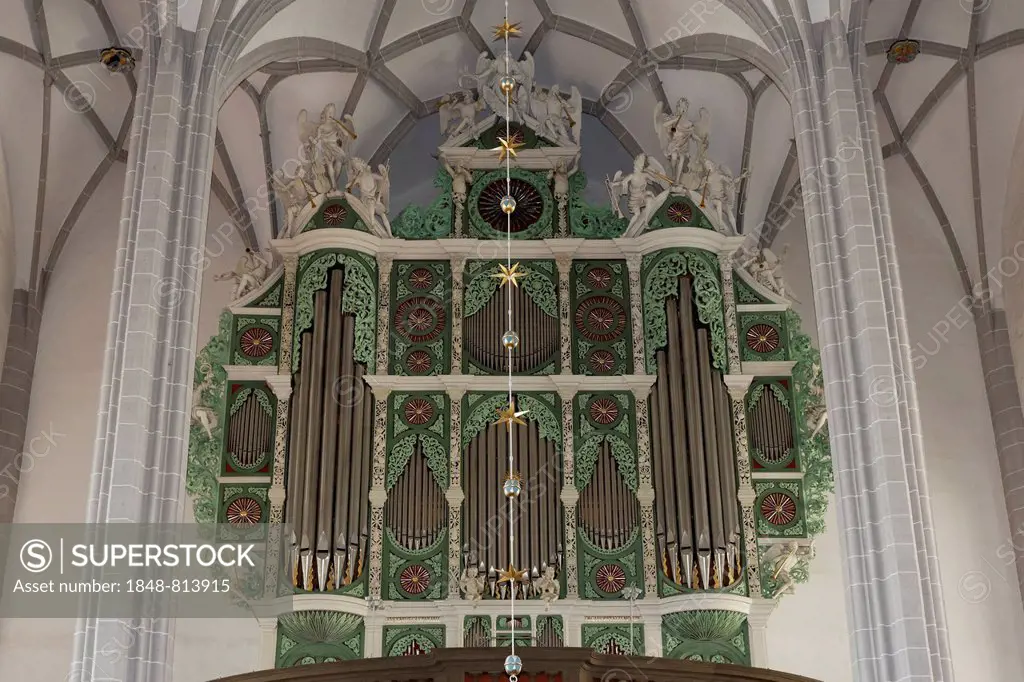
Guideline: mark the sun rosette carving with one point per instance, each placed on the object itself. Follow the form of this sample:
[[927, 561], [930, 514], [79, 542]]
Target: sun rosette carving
[[256, 340], [534, 214], [601, 318], [418, 419], [421, 318]]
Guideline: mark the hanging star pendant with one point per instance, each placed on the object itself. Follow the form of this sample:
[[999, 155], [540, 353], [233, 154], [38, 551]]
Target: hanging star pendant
[[509, 275], [507, 148], [507, 30], [511, 575], [509, 416]]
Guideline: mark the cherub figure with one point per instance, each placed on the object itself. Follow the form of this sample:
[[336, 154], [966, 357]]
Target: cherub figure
[[548, 587], [472, 584]]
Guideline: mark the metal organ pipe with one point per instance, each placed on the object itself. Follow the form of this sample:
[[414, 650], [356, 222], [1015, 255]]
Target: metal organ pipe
[[692, 455]]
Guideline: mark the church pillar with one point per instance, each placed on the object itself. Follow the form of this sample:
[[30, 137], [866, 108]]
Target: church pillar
[[144, 414], [893, 596]]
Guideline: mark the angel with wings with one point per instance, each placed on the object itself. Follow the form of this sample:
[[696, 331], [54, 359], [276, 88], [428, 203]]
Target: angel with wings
[[702, 135], [460, 109], [328, 142], [675, 130], [294, 193], [374, 194], [640, 200], [720, 188], [557, 119]]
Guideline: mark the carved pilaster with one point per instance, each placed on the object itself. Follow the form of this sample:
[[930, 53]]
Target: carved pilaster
[[636, 309], [455, 494], [378, 495], [737, 396], [732, 340], [291, 267], [384, 263], [645, 494], [564, 262], [570, 496], [458, 264]]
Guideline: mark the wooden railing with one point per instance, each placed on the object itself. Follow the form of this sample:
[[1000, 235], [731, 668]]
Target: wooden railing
[[540, 665]]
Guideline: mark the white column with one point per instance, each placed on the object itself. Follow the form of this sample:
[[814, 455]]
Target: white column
[[757, 625], [894, 597], [268, 643], [144, 414]]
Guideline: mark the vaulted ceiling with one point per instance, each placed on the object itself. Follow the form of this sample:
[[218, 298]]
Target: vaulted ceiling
[[389, 61]]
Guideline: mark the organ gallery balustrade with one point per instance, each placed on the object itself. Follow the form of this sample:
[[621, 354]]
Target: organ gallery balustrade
[[545, 665]]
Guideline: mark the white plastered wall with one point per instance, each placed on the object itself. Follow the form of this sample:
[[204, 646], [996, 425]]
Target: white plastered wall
[[65, 396], [7, 258]]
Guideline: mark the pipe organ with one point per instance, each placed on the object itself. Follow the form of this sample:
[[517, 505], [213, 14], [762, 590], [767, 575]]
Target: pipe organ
[[539, 526], [331, 444], [698, 529], [666, 449]]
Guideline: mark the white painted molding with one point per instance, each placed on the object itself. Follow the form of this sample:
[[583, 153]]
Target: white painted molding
[[244, 480], [541, 249], [242, 311], [576, 609], [762, 308], [778, 475], [781, 368], [562, 384], [251, 372]]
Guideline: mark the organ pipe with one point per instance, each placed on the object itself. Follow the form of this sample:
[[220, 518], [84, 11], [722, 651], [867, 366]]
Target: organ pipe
[[539, 342], [329, 450], [416, 511], [538, 512], [692, 455], [608, 509]]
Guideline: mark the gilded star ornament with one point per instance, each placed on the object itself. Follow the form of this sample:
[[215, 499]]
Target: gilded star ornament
[[507, 30], [511, 575], [509, 416], [507, 148], [510, 275]]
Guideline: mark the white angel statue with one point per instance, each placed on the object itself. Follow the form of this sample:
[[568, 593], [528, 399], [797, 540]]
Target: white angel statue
[[783, 558], [548, 587], [460, 109], [204, 416], [557, 119], [641, 202], [720, 188], [487, 81], [328, 142], [472, 584], [294, 193], [248, 275], [374, 198], [462, 178], [674, 131], [702, 135]]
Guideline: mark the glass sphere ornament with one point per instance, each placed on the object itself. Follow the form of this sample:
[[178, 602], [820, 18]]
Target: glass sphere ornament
[[508, 204], [510, 340], [507, 85], [513, 665], [512, 487]]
